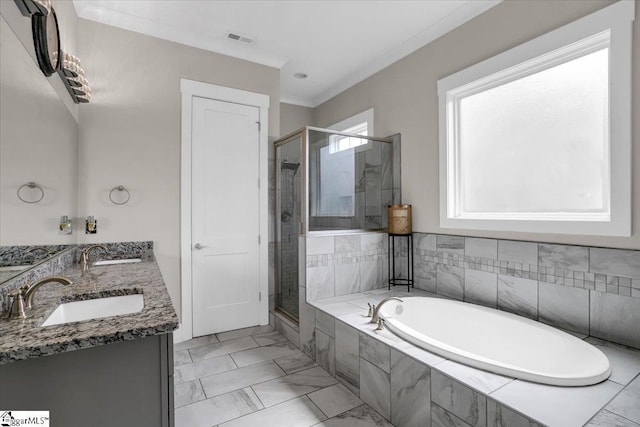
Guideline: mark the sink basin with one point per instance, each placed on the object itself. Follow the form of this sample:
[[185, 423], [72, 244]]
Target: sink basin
[[117, 261], [95, 309]]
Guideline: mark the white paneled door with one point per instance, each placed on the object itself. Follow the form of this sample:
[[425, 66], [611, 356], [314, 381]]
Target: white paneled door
[[225, 216]]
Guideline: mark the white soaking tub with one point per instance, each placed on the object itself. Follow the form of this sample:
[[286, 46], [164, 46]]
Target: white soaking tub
[[496, 341]]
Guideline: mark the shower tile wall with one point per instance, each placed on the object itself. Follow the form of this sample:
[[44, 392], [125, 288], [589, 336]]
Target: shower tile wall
[[591, 290], [345, 264]]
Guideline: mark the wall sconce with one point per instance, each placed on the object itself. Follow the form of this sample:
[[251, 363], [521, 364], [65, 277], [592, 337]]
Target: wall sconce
[[31, 7], [72, 75], [50, 56]]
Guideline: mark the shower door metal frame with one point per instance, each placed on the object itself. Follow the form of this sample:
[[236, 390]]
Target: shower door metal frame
[[303, 134], [303, 184]]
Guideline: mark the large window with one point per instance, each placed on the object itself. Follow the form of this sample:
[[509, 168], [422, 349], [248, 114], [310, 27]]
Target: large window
[[538, 138]]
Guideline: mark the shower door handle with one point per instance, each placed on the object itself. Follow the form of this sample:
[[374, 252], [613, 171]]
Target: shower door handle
[[199, 246]]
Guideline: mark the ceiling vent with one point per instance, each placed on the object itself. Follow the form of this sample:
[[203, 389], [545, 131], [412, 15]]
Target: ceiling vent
[[239, 38]]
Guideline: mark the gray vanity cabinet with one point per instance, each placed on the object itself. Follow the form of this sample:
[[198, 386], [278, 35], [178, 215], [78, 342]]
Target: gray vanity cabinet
[[125, 383]]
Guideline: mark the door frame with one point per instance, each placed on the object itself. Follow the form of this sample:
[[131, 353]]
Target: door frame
[[190, 89]]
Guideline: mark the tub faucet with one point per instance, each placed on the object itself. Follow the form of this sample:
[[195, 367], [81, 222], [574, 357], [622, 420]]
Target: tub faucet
[[376, 316], [86, 252], [23, 297]]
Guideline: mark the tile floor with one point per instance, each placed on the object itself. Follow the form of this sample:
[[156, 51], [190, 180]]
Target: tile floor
[[255, 377]]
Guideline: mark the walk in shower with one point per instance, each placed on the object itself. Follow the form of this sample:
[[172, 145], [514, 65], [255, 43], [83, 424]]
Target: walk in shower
[[327, 181]]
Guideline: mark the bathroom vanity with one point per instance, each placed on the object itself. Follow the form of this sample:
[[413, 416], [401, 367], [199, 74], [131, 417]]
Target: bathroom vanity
[[94, 371]]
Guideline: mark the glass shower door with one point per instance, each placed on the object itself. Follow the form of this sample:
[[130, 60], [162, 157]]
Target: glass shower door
[[288, 223]]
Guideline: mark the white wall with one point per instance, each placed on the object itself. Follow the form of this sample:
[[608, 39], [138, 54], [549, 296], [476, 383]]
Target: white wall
[[294, 117], [130, 132], [404, 96]]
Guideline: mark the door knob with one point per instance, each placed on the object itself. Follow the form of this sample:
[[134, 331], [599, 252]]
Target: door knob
[[200, 246]]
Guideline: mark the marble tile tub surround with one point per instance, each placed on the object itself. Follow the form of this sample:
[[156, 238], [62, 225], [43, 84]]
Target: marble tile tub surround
[[27, 339], [590, 290], [345, 264], [411, 386]]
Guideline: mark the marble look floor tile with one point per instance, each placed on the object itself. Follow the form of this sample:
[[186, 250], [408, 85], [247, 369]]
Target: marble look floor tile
[[291, 333], [221, 348], [244, 332], [625, 361], [362, 416], [285, 388], [335, 400], [499, 416], [564, 306], [188, 392], [375, 388], [224, 382], [180, 357], [299, 412], [269, 338], [442, 418], [627, 403], [461, 401], [203, 368], [325, 322], [262, 354], [375, 352], [347, 348], [482, 381], [295, 362], [218, 409], [325, 352], [518, 295], [556, 406], [196, 342], [410, 391], [605, 418]]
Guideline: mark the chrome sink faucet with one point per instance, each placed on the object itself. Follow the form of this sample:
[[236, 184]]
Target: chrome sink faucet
[[86, 253], [375, 318], [23, 297]]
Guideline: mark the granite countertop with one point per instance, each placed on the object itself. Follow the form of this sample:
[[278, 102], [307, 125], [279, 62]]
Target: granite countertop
[[26, 339]]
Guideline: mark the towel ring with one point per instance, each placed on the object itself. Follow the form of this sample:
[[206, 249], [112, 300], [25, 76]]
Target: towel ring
[[31, 185], [119, 188]]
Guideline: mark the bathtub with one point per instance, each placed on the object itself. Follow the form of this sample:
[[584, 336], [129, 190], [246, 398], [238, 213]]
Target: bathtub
[[496, 341]]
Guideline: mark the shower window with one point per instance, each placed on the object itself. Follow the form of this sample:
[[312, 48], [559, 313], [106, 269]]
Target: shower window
[[350, 181]]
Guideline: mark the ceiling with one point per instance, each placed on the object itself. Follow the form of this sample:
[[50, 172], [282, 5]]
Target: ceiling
[[336, 43]]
